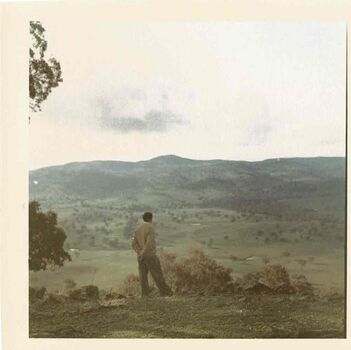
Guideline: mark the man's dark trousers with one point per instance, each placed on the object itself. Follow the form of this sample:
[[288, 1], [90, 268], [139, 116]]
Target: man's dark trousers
[[152, 263]]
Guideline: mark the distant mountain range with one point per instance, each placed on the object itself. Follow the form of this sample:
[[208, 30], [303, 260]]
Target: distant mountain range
[[172, 181]]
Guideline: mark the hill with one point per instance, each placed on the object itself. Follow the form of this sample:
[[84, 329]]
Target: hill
[[171, 182]]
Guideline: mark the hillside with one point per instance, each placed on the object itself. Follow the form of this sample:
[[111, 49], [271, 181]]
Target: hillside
[[171, 182]]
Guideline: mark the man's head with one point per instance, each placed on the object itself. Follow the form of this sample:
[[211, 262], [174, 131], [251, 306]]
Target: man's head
[[147, 217]]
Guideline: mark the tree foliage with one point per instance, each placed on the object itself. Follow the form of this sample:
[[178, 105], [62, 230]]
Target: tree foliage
[[44, 73], [130, 227], [45, 239]]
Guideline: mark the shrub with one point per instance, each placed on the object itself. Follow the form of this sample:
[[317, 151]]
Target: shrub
[[130, 286], [89, 292], [275, 279], [300, 285], [69, 283], [196, 274]]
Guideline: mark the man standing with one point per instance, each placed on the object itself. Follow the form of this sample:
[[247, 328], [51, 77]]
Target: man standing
[[144, 244]]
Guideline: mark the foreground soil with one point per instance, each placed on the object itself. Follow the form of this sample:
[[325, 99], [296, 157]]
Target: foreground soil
[[257, 316]]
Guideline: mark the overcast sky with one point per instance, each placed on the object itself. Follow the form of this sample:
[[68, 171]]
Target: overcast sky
[[240, 91]]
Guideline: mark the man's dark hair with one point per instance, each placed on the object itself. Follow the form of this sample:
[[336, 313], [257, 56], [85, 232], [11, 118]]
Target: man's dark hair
[[147, 216]]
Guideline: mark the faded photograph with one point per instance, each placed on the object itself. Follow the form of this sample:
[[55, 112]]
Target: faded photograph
[[187, 179]]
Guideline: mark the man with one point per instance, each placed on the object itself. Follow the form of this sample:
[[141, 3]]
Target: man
[[144, 244]]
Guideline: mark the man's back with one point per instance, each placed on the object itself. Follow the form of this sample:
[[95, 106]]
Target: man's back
[[145, 238]]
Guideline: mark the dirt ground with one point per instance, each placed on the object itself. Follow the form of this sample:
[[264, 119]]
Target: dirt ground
[[239, 316]]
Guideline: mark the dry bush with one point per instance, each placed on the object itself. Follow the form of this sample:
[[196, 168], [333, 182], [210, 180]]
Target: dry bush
[[300, 285], [196, 274], [275, 279], [130, 286]]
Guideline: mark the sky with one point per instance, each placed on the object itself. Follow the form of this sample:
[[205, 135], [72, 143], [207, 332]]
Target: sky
[[200, 90]]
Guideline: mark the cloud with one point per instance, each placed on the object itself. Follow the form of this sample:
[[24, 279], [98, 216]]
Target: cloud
[[152, 120], [260, 133], [257, 125]]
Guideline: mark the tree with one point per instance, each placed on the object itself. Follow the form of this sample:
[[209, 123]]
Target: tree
[[44, 73], [302, 262], [266, 260], [46, 239], [114, 243], [130, 227], [210, 243]]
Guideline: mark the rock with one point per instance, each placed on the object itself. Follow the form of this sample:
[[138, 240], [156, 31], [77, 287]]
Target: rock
[[113, 295], [90, 292]]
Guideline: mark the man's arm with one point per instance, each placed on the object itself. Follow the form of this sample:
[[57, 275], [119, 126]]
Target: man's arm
[[135, 246]]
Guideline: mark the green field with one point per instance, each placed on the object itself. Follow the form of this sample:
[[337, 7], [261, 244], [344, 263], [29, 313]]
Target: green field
[[245, 245]]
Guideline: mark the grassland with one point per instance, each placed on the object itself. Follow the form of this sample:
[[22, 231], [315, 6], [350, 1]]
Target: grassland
[[245, 244], [193, 317]]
